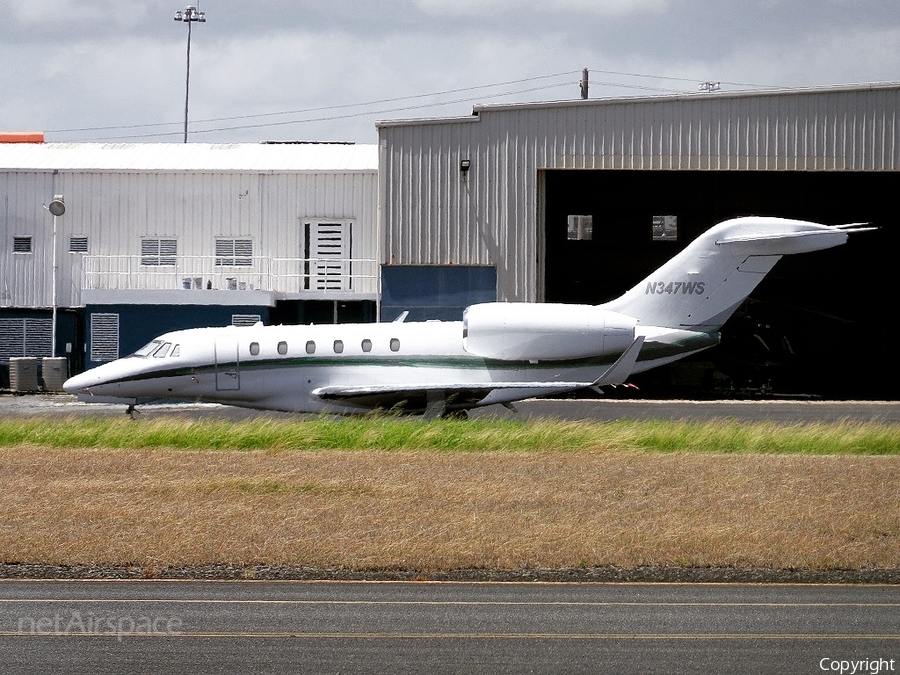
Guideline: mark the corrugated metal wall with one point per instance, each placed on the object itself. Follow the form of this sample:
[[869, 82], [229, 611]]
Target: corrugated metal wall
[[115, 209], [432, 213]]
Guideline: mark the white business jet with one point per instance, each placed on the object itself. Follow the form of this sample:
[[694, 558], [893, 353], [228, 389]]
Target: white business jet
[[499, 352]]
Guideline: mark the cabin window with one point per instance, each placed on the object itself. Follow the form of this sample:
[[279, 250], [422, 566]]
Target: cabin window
[[395, 344], [310, 347], [338, 346], [254, 349], [367, 345], [282, 348]]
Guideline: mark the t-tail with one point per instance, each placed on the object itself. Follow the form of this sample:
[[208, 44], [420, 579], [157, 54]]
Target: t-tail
[[701, 287]]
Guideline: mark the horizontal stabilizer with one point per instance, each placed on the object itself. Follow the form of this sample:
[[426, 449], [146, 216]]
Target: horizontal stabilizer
[[784, 243], [856, 227]]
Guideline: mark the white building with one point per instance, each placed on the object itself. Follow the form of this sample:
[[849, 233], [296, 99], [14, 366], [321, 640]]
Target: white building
[[183, 234]]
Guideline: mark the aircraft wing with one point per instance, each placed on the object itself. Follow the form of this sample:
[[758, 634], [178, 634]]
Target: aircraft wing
[[468, 394], [338, 392]]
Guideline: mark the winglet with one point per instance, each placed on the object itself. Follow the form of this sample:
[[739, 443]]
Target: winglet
[[623, 367]]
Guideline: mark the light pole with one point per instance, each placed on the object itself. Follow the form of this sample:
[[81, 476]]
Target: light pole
[[57, 208], [188, 15]]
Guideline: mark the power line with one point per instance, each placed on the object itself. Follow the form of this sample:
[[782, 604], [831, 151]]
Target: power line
[[682, 79], [396, 109], [329, 118], [304, 111]]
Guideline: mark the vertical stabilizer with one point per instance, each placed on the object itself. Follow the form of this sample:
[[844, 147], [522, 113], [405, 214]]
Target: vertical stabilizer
[[701, 287]]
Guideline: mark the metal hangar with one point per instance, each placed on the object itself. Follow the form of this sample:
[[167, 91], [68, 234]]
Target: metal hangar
[[577, 201]]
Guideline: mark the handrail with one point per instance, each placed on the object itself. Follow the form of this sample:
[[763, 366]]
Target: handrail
[[289, 275]]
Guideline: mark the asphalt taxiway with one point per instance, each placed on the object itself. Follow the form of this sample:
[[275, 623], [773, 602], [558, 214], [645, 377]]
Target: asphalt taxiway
[[364, 627], [569, 409]]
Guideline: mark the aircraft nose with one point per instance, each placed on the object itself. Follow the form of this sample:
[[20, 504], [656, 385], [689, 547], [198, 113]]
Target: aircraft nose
[[95, 377], [78, 382]]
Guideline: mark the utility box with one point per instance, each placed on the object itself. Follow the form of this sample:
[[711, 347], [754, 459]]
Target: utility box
[[23, 374], [54, 372]]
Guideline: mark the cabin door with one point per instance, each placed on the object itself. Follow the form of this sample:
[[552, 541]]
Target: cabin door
[[228, 374]]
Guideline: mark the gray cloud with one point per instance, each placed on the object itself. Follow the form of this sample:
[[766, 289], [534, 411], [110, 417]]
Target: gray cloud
[[273, 69]]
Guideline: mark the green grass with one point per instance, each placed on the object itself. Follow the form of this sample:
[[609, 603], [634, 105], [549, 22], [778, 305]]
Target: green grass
[[391, 433]]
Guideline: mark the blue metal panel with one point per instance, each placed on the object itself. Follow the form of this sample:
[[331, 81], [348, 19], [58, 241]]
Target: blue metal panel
[[435, 291], [138, 324]]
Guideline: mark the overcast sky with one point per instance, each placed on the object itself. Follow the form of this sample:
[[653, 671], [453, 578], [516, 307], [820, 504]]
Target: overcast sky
[[316, 70]]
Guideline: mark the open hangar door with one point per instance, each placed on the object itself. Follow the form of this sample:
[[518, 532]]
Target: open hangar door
[[819, 325]]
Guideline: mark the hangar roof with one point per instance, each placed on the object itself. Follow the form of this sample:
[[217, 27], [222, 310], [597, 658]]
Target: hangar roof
[[204, 157], [480, 108]]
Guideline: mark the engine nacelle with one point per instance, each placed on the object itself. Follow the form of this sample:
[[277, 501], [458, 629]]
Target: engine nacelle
[[544, 332]]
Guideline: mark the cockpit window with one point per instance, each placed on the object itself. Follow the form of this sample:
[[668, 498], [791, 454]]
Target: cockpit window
[[163, 350], [176, 351], [148, 348]]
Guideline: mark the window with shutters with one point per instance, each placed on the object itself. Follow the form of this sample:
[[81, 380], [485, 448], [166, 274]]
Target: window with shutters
[[22, 245], [78, 244], [158, 252], [104, 337], [329, 249], [234, 252], [24, 337], [245, 319]]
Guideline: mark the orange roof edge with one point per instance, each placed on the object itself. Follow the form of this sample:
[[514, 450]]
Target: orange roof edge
[[21, 136]]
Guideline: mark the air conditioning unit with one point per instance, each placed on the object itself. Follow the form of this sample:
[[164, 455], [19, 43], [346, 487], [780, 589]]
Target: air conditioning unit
[[54, 371], [23, 374]]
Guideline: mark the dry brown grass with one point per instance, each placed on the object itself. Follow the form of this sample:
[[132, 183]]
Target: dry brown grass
[[432, 511]]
